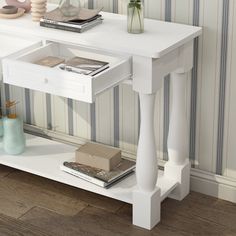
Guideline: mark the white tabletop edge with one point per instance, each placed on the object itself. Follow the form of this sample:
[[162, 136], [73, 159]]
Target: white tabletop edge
[[151, 43]]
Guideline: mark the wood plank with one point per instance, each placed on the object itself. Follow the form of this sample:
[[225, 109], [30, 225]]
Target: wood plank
[[61, 198], [10, 226], [125, 213], [36, 191], [91, 221], [11, 203], [5, 170], [199, 214]]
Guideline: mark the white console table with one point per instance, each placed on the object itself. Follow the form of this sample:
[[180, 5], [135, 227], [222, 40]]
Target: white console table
[[146, 58]]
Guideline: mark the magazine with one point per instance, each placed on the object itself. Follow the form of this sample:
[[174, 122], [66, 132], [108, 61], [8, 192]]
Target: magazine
[[84, 15], [98, 176], [84, 66]]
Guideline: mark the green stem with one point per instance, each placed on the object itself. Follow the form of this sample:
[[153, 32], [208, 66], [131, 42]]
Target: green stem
[[132, 19], [139, 18]]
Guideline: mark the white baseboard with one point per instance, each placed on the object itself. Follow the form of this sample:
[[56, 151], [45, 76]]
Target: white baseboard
[[201, 181], [213, 185]]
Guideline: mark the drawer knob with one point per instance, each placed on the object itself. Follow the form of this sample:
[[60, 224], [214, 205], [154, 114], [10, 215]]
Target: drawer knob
[[45, 80]]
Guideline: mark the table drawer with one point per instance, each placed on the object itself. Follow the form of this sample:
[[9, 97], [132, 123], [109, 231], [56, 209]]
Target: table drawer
[[22, 72], [11, 46]]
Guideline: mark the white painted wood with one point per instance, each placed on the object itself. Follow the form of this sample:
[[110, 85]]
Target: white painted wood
[[214, 185], [128, 118], [59, 111], [160, 37], [105, 118], [43, 157], [38, 109], [181, 11], [181, 173], [209, 80], [122, 6], [178, 135], [229, 161], [81, 118], [105, 4], [63, 83], [146, 208], [14, 46], [153, 9], [17, 94], [176, 53], [201, 181], [199, 86], [217, 88], [146, 169], [158, 121]]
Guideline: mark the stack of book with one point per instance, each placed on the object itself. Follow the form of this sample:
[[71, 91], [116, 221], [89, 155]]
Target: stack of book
[[85, 20], [99, 165]]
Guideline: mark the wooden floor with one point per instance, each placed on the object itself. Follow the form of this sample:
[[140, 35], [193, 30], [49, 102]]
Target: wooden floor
[[33, 206]]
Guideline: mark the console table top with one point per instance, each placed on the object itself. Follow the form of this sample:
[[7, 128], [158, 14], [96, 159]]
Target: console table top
[[159, 38]]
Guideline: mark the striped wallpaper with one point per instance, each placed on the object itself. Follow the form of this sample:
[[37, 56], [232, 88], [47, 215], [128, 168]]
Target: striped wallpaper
[[114, 118]]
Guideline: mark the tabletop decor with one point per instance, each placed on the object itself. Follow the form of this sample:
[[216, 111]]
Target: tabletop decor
[[135, 16], [20, 12], [38, 9], [26, 5], [69, 7], [8, 9], [13, 138]]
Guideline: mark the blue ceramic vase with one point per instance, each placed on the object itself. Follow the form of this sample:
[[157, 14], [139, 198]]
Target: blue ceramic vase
[[13, 138]]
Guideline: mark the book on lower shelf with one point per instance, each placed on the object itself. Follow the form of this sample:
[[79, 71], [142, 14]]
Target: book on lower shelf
[[98, 176]]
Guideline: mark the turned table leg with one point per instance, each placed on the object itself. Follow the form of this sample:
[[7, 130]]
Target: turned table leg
[[146, 198], [178, 166]]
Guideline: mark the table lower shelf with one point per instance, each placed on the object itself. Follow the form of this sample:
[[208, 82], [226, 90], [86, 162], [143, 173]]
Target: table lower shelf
[[43, 157]]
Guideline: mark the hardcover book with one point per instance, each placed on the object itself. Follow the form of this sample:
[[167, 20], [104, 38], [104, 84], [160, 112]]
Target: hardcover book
[[86, 19], [69, 27], [98, 176]]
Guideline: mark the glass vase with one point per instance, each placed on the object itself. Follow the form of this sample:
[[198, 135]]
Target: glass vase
[[69, 8], [135, 17]]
